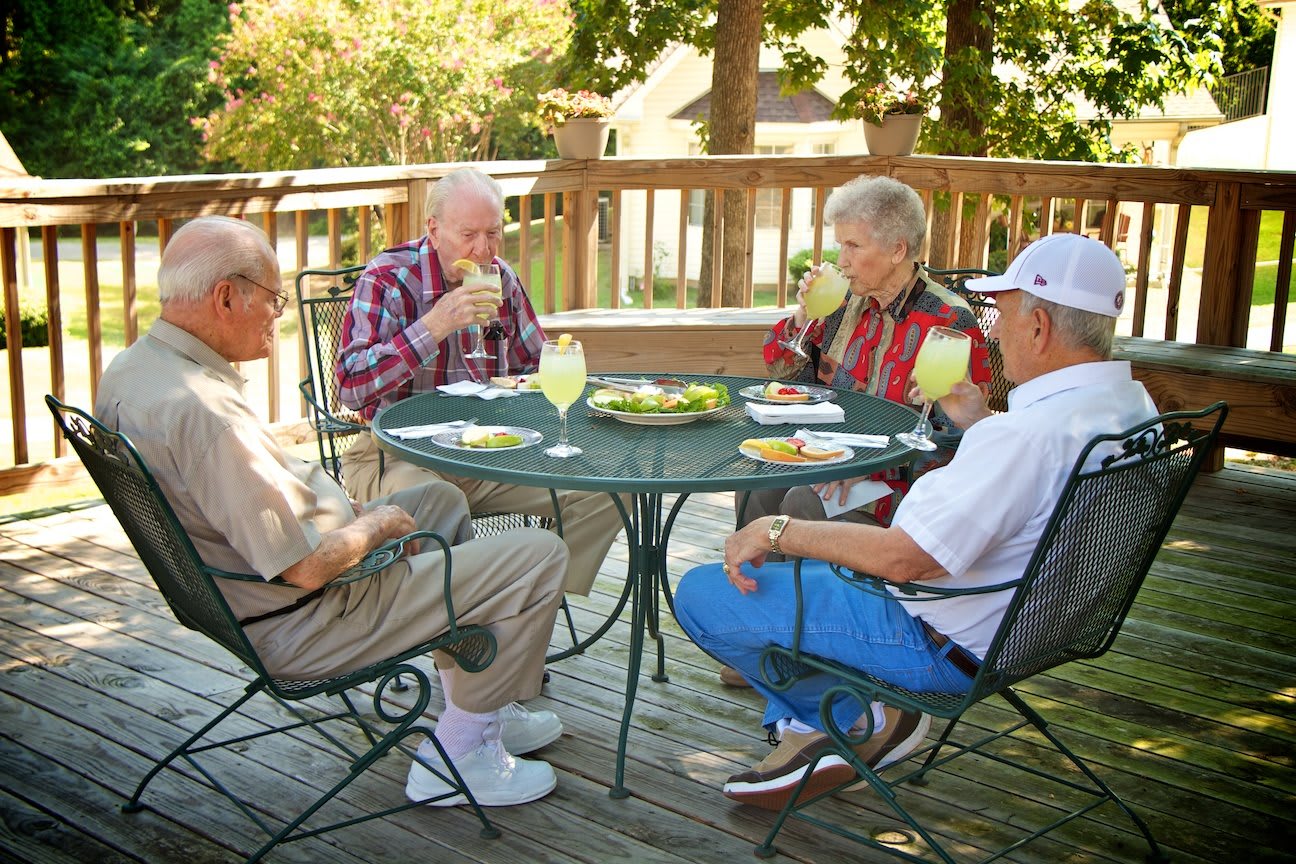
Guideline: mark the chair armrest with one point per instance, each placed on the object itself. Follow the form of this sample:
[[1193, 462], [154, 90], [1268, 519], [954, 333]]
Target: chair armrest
[[327, 422], [377, 560], [876, 585]]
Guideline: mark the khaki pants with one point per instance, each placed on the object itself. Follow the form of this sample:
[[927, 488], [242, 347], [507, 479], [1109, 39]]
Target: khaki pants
[[510, 583], [590, 519]]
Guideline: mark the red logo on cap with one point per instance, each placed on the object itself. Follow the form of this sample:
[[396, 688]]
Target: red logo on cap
[[1120, 300], [1039, 280]]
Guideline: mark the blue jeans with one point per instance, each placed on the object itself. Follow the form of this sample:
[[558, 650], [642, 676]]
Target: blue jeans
[[842, 623]]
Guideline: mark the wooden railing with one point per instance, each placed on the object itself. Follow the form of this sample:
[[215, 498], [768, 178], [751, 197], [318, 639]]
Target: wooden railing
[[981, 211]]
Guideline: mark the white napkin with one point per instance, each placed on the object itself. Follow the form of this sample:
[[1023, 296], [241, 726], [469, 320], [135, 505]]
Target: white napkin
[[848, 439], [405, 433], [769, 415], [472, 388], [860, 494]]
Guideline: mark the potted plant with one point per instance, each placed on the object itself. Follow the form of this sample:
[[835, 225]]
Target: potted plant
[[892, 119], [577, 120]]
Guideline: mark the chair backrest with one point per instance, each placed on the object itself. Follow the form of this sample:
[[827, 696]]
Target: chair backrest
[[135, 498], [986, 313], [1100, 541], [323, 297]]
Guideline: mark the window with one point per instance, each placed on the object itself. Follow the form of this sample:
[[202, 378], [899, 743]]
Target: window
[[769, 202]]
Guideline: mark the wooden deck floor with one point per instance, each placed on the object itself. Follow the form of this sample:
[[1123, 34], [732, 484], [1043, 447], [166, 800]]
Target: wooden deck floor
[[1190, 717]]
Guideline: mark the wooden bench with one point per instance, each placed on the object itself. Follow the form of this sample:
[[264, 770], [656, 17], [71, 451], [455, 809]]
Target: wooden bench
[[1260, 387]]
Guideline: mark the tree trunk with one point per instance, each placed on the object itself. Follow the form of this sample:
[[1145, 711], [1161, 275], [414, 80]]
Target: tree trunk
[[969, 53], [732, 129]]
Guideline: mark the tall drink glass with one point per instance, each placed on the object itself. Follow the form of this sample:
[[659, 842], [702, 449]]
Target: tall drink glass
[[822, 296], [486, 278], [562, 380], [942, 362]]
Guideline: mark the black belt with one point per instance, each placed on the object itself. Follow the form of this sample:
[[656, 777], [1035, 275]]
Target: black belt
[[959, 656], [291, 607]]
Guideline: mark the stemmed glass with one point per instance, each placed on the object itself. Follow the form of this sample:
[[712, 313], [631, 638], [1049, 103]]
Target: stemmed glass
[[822, 296], [487, 276], [562, 380], [942, 362]]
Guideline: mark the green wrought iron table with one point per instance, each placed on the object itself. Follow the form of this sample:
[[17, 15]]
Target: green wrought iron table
[[646, 462]]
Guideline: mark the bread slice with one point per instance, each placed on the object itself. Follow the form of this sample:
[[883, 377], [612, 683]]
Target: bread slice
[[811, 452], [505, 383]]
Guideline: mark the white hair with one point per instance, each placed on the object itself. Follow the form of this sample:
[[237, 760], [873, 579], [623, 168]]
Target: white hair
[[1078, 328], [890, 210], [209, 249], [461, 180]]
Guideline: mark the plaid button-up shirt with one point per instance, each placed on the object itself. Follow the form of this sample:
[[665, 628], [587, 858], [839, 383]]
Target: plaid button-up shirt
[[387, 353]]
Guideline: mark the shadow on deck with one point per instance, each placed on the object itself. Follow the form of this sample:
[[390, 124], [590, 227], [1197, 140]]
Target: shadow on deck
[[1190, 717]]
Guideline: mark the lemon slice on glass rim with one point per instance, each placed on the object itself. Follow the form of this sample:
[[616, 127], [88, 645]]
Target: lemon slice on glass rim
[[467, 266], [564, 340]]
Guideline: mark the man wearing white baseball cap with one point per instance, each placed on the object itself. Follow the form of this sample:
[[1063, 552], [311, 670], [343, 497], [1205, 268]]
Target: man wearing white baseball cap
[[973, 522]]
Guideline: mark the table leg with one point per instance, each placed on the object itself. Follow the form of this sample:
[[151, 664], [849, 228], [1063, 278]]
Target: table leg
[[649, 584]]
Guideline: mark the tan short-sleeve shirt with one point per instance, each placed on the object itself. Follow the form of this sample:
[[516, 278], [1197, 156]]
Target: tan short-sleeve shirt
[[248, 505]]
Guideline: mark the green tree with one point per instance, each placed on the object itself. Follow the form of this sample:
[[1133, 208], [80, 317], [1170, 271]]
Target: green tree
[[100, 89], [1247, 30], [346, 82], [1098, 54]]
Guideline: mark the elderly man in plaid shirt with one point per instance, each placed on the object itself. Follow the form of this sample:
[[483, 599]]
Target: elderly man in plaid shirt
[[407, 332]]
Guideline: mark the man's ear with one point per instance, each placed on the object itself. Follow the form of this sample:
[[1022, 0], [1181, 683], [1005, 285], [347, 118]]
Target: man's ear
[[1041, 330], [432, 230], [224, 297]]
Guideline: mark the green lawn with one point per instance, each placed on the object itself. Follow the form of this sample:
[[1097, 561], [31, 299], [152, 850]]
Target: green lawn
[[1266, 275]]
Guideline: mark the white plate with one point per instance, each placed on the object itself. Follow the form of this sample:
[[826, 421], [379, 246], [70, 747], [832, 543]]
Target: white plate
[[667, 419], [451, 438], [753, 453], [817, 394]]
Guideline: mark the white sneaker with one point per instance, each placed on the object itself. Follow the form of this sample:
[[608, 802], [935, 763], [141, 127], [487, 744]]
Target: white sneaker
[[522, 730], [495, 778]]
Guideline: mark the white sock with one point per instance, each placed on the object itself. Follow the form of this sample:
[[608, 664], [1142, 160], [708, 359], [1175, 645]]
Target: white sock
[[461, 732], [879, 720], [795, 725]]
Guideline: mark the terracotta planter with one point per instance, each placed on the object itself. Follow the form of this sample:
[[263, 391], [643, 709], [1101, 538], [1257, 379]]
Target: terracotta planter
[[582, 137], [897, 135]]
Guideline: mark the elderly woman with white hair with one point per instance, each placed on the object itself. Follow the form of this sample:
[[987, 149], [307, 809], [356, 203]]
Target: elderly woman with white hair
[[871, 342]]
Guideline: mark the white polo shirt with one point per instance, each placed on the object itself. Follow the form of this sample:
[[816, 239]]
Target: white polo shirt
[[981, 515]]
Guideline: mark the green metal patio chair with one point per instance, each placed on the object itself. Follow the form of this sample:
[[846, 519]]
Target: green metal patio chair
[[1069, 604], [191, 590], [986, 313], [323, 298]]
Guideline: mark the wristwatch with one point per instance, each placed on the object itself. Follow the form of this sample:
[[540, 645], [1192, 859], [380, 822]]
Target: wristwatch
[[776, 530]]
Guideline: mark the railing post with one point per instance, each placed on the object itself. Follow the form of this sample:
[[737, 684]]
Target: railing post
[[415, 221], [580, 270], [1222, 271], [13, 339]]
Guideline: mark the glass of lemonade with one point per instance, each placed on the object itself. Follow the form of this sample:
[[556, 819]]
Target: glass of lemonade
[[822, 296], [942, 362], [487, 278], [562, 380]]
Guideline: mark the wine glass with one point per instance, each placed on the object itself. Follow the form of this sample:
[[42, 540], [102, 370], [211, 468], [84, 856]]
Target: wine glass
[[822, 296], [487, 277], [562, 380], [942, 362]]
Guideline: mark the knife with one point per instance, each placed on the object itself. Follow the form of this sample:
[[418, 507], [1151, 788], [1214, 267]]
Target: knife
[[630, 385]]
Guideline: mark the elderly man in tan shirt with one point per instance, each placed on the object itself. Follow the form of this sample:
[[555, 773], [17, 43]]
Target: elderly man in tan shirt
[[251, 507]]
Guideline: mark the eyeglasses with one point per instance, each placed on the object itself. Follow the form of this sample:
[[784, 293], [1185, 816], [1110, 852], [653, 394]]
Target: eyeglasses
[[281, 298]]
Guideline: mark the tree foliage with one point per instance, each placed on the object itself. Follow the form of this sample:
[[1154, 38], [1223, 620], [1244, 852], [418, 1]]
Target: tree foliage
[[101, 89], [1114, 62], [1247, 30], [309, 83]]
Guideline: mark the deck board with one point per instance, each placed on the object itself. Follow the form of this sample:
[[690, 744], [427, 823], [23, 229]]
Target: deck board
[[1191, 716]]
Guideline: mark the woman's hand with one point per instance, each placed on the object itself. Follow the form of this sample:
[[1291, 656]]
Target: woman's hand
[[840, 488], [799, 317]]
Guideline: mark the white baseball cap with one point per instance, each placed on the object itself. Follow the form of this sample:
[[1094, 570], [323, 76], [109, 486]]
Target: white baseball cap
[[1066, 269]]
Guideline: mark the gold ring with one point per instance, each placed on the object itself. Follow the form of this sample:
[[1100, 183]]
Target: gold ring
[[725, 568]]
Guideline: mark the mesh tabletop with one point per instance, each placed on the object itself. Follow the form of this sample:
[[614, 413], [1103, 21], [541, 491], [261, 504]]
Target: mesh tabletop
[[701, 456]]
